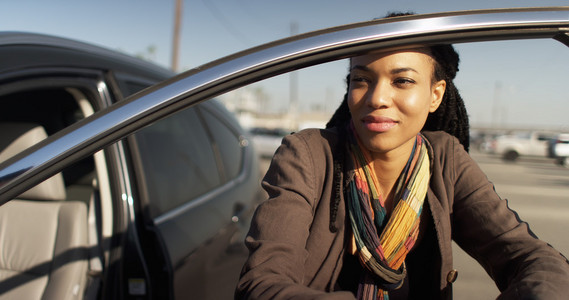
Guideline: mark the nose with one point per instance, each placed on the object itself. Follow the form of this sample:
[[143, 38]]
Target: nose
[[379, 96]]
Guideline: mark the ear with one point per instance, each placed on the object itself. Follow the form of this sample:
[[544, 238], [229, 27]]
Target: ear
[[438, 92]]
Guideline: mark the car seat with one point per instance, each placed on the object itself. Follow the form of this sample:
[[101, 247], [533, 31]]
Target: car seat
[[43, 238]]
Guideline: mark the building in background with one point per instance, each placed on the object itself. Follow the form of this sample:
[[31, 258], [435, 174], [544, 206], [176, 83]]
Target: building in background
[[251, 106]]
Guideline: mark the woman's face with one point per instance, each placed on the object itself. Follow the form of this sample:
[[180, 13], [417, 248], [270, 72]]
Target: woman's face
[[390, 96]]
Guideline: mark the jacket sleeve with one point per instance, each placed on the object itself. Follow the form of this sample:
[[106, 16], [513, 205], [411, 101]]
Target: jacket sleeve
[[280, 229], [522, 266]]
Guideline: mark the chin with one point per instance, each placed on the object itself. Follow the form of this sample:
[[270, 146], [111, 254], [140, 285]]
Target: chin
[[379, 146]]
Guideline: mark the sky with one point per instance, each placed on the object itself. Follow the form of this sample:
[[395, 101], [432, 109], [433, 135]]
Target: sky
[[502, 83]]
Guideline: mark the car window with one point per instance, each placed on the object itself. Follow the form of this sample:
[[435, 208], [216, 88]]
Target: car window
[[178, 161], [129, 84], [53, 108], [227, 143], [523, 135]]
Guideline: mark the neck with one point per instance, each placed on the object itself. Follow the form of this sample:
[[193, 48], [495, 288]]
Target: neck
[[388, 167]]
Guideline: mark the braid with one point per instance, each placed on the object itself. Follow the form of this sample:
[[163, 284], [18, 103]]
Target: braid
[[451, 115], [340, 117], [337, 191], [342, 114]]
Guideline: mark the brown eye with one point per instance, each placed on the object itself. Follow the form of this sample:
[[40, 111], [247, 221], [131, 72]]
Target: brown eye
[[357, 78], [403, 81]]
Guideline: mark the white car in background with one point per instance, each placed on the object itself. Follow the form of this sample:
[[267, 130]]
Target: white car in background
[[559, 149], [512, 146]]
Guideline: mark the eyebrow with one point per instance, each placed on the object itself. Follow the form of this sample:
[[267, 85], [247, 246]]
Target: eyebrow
[[360, 67], [394, 71], [401, 70]]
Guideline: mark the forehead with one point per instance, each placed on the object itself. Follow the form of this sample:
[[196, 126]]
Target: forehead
[[398, 57]]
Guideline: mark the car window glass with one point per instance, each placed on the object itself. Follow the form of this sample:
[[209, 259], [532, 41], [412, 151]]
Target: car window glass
[[178, 161], [129, 85], [53, 108], [227, 143]]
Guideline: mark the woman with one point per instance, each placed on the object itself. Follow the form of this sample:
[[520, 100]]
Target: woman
[[367, 208]]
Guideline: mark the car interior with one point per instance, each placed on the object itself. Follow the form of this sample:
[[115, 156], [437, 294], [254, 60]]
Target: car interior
[[60, 255], [49, 255]]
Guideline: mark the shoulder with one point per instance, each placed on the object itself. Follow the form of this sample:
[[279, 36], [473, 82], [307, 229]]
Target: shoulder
[[313, 140], [302, 163], [309, 153], [306, 151], [440, 139], [443, 143], [317, 134], [447, 154]]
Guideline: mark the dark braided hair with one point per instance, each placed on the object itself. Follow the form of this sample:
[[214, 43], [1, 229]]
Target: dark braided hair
[[450, 116]]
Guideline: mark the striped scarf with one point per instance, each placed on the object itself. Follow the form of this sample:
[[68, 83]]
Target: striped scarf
[[382, 243]]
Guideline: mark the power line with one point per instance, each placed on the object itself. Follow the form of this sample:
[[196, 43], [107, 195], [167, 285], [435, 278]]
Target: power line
[[210, 5]]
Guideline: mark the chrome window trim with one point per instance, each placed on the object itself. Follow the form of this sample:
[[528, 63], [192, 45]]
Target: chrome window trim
[[194, 86], [126, 195]]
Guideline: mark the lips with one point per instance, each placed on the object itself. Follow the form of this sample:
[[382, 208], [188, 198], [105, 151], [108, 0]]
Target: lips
[[378, 123]]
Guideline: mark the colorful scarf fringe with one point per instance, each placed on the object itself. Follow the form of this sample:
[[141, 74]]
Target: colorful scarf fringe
[[383, 243]]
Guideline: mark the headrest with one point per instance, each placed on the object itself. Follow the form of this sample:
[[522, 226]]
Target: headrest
[[16, 137]]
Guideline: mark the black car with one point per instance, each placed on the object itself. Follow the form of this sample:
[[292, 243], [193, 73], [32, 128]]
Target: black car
[[157, 183], [158, 214]]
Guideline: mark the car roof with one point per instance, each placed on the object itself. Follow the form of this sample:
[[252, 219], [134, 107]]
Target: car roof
[[23, 50]]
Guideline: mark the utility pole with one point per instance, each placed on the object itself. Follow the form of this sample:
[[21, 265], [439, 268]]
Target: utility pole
[[496, 104], [176, 37]]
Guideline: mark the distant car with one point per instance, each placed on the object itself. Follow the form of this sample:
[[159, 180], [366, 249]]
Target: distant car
[[112, 190], [267, 140], [533, 143], [483, 142], [559, 149]]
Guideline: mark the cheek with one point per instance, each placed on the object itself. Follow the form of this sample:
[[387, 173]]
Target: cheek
[[354, 95], [354, 99], [415, 104]]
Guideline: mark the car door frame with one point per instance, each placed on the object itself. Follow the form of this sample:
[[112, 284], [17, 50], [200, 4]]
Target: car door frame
[[197, 85]]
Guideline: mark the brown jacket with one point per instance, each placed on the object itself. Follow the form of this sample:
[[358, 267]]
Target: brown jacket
[[294, 254]]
